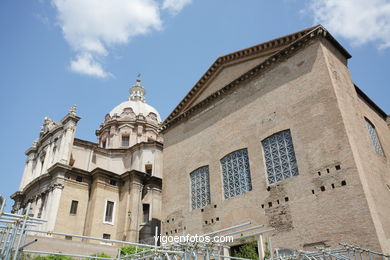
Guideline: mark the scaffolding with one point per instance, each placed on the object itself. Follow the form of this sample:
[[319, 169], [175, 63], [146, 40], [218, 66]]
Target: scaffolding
[[14, 229]]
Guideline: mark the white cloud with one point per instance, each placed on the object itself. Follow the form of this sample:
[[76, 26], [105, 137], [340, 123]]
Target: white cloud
[[86, 64], [92, 26], [175, 6], [359, 21]]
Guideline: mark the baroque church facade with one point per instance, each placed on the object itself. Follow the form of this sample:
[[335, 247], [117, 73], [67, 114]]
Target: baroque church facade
[[276, 134], [110, 189]]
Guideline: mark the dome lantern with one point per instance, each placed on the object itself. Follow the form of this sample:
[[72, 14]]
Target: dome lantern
[[137, 92]]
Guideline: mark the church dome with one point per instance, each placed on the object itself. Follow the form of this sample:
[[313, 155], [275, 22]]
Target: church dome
[[130, 123], [137, 107], [136, 103]]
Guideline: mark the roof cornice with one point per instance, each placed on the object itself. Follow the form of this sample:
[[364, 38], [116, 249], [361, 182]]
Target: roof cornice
[[301, 39]]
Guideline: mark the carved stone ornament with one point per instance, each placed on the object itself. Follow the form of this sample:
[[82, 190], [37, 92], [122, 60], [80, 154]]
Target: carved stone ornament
[[72, 110]]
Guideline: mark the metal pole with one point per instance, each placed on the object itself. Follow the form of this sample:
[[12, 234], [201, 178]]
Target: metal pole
[[22, 232], [270, 248], [260, 247]]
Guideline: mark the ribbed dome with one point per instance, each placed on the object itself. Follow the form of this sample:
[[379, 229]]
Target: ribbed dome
[[138, 107]]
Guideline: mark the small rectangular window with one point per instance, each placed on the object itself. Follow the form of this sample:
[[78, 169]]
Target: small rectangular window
[[145, 210], [148, 168], [79, 178], [73, 207], [112, 182], [125, 140], [109, 212], [106, 236]]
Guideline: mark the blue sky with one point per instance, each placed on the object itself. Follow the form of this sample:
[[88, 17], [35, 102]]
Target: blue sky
[[56, 53]]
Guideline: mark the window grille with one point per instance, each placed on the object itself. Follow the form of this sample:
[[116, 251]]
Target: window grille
[[236, 173], [374, 137], [200, 187], [279, 157]]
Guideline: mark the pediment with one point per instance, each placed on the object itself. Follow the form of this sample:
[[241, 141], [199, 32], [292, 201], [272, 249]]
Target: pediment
[[228, 68]]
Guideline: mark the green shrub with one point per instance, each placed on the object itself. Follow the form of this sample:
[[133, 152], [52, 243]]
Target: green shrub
[[248, 250], [128, 250], [102, 254], [53, 257]]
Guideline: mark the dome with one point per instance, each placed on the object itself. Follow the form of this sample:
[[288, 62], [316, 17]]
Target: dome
[[138, 107], [136, 102]]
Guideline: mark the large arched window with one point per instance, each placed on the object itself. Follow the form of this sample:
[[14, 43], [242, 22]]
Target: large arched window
[[200, 187], [279, 157], [236, 174], [374, 137]]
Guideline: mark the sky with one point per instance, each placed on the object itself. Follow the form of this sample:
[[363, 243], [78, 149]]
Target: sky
[[56, 53]]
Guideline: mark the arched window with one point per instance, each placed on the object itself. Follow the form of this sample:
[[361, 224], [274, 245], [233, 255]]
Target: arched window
[[200, 187], [374, 137], [236, 173], [279, 157]]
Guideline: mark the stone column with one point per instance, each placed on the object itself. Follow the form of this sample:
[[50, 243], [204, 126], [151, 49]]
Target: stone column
[[135, 186]]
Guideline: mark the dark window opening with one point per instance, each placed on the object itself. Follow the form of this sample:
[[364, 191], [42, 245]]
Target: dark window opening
[[104, 144], [68, 237], [205, 222], [125, 140], [212, 220], [217, 218], [145, 210], [73, 207], [262, 206], [106, 236], [215, 206], [175, 230], [327, 170], [201, 210], [112, 182], [270, 204], [148, 168], [278, 201], [338, 167], [312, 191], [286, 199], [343, 183], [332, 186], [319, 173], [322, 188], [109, 211], [79, 178]]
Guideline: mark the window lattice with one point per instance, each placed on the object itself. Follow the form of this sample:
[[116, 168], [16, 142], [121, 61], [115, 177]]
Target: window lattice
[[374, 137], [236, 173], [200, 187], [279, 156]]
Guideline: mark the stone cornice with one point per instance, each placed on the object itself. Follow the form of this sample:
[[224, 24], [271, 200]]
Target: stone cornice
[[371, 103], [107, 151], [301, 39], [107, 125]]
